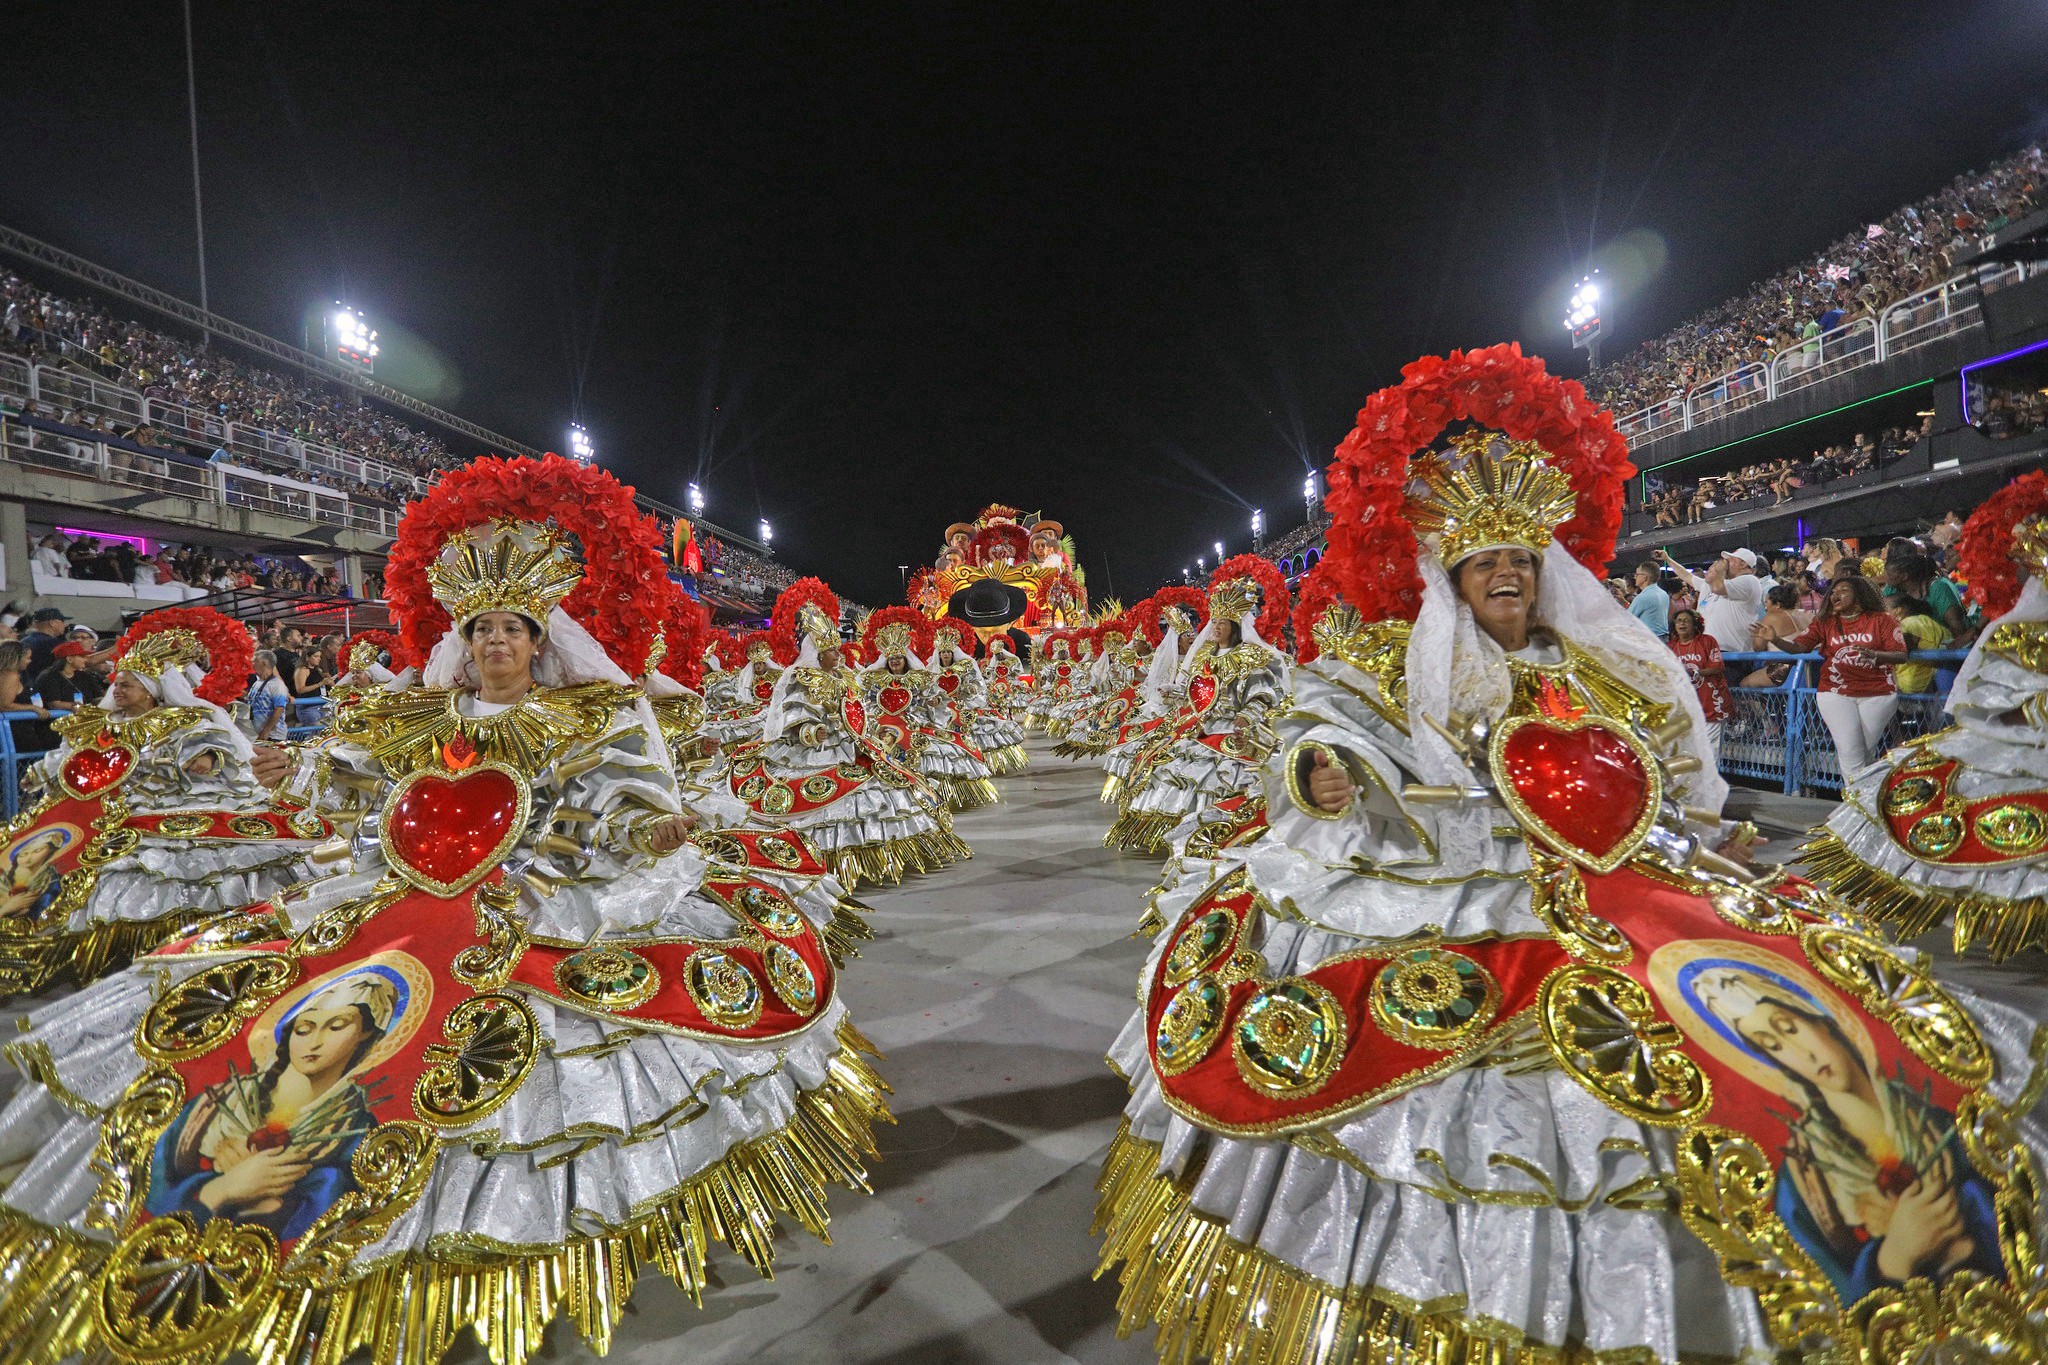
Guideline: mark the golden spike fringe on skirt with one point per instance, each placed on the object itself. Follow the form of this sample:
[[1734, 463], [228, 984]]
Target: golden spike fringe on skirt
[[1008, 760], [970, 793], [1057, 729], [1217, 1301], [1080, 748], [1137, 831], [2001, 927], [30, 963], [409, 1310], [1112, 789], [849, 926], [887, 862]]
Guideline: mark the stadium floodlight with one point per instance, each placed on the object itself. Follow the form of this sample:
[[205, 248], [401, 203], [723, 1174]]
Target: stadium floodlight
[[1201, 563], [1582, 317], [1219, 553], [580, 447], [351, 341], [696, 499], [767, 532], [1308, 494]]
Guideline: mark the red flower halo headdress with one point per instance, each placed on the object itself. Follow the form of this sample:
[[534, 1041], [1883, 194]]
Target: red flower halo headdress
[[685, 632], [1193, 601], [786, 622], [1274, 602], [748, 641], [725, 649], [1993, 550], [1318, 595], [230, 653], [619, 598], [378, 641], [1373, 544], [914, 627]]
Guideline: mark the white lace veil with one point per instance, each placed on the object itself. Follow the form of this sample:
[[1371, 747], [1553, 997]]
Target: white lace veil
[[1165, 663], [1249, 629], [2032, 606], [1453, 665], [174, 688], [569, 655]]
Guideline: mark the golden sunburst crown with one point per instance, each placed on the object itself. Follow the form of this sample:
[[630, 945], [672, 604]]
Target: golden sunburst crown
[[1177, 620], [507, 565], [1487, 492], [152, 654], [1236, 599], [821, 630], [1338, 624], [893, 639], [2030, 545], [948, 631], [760, 652]]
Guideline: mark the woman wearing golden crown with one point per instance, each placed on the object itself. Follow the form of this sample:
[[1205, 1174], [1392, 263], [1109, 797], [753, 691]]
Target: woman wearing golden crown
[[1006, 694], [1168, 621], [492, 1067], [999, 739], [818, 770], [1080, 698], [1115, 674], [1230, 682], [1955, 823], [1053, 672], [913, 716], [150, 820], [1483, 1051], [766, 657]]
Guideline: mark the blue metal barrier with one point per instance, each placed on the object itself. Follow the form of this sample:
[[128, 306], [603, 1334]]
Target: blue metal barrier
[[1776, 733], [12, 760]]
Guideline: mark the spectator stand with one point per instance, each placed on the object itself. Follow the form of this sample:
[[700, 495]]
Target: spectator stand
[[1776, 734]]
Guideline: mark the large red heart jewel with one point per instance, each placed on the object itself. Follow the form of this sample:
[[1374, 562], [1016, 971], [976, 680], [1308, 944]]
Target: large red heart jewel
[[854, 714], [1202, 690], [92, 771], [894, 699], [1586, 788], [949, 682], [444, 833]]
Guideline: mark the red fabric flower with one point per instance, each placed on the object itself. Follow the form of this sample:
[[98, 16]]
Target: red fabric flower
[[230, 653], [686, 630], [1373, 547], [1984, 553], [621, 598], [377, 639], [1193, 601]]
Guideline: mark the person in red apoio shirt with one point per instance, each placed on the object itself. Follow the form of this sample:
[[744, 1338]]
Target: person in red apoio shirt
[[1856, 639], [1700, 655]]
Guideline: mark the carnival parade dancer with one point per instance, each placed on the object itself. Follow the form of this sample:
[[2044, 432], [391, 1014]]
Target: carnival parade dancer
[[766, 657], [999, 739], [817, 771], [1052, 677], [1232, 681], [1115, 675], [1495, 1044], [908, 710], [1081, 697], [151, 820], [490, 1069], [1169, 620], [1005, 691], [1955, 823]]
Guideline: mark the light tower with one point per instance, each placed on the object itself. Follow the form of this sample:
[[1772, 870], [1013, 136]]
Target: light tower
[[1308, 495], [1258, 528], [580, 448], [767, 534], [1582, 319], [350, 339]]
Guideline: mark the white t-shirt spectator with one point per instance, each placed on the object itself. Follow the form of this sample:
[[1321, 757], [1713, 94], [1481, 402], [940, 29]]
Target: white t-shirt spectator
[[51, 561], [1730, 613]]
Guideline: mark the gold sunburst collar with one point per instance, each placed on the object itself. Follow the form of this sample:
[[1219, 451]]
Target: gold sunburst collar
[[1486, 492]]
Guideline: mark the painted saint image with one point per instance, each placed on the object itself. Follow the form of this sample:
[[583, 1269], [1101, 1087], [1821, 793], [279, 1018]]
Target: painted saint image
[[31, 882], [1873, 1181], [273, 1145]]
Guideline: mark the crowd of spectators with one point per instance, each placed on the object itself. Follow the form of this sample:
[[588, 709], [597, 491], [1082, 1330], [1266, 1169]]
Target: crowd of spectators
[[120, 561], [2002, 411], [1913, 249], [216, 391], [1678, 503]]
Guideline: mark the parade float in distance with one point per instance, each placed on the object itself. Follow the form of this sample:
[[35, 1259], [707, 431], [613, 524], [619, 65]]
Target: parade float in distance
[[1004, 573]]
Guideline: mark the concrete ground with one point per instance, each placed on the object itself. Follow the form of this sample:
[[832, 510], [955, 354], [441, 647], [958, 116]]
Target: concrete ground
[[993, 989]]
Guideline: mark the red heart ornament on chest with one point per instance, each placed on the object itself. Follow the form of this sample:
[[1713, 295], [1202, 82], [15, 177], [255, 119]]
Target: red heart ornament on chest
[[1202, 691], [894, 699], [1586, 788], [92, 771], [446, 832], [854, 714], [948, 683], [764, 690]]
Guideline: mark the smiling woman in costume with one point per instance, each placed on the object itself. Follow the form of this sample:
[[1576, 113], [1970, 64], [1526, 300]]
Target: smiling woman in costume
[[1955, 823], [1483, 1048], [521, 1044], [150, 819]]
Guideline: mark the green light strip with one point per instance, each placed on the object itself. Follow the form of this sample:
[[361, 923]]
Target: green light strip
[[1730, 445]]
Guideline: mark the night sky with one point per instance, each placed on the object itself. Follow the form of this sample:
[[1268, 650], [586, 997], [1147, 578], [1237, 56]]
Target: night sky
[[862, 269]]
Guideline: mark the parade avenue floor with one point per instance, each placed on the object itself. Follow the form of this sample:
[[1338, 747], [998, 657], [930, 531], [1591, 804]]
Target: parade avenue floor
[[993, 989]]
